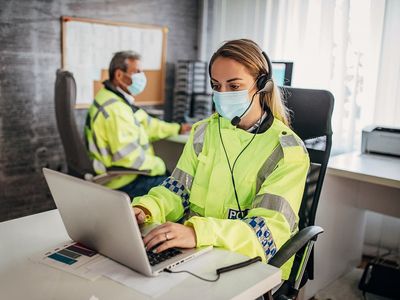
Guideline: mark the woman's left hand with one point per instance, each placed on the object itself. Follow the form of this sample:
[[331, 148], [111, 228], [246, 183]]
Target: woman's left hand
[[169, 235]]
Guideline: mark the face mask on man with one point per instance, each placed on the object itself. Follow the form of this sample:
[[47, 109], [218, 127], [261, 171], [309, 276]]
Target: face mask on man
[[231, 104], [138, 83]]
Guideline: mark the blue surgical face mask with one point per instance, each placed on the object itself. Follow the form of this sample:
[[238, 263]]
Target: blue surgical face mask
[[231, 104], [138, 83]]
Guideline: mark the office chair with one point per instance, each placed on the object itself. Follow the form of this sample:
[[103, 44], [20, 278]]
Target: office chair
[[311, 119], [77, 157]]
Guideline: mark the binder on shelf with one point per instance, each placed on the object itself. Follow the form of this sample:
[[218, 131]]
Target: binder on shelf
[[192, 102]]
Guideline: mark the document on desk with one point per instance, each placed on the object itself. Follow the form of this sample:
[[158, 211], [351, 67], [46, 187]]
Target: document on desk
[[151, 286], [71, 257], [204, 265]]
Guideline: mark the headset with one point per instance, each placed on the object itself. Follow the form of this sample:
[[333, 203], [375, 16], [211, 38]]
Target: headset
[[265, 84]]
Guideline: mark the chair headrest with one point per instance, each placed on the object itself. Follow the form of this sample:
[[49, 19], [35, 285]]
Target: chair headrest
[[311, 111]]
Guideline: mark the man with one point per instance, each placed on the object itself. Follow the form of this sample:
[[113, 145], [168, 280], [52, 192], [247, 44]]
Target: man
[[118, 133]]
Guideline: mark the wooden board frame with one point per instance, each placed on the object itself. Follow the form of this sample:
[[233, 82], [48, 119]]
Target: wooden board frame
[[154, 93]]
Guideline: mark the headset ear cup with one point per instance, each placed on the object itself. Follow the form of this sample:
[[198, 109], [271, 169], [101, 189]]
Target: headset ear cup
[[265, 85], [261, 81], [269, 83], [269, 86]]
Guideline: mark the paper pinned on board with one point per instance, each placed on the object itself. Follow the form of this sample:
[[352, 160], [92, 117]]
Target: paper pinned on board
[[89, 48]]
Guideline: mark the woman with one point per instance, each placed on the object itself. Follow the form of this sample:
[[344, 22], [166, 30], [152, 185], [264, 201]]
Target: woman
[[239, 182]]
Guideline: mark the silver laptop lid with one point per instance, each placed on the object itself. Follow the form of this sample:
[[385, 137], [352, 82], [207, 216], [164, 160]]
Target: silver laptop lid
[[99, 218]]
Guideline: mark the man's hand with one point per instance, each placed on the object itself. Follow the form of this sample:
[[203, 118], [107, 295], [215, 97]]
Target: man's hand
[[169, 235], [185, 127]]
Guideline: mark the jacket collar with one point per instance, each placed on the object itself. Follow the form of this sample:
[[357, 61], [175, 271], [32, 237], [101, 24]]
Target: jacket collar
[[266, 123], [109, 86]]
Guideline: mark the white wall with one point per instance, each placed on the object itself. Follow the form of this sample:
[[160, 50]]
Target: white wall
[[387, 106], [234, 19]]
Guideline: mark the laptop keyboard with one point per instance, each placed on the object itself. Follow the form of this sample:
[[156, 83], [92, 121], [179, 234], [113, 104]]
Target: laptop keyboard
[[156, 258]]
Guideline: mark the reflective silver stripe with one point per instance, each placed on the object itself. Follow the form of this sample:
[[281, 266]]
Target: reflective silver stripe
[[198, 138], [97, 150], [105, 151], [100, 108], [98, 166], [304, 147], [136, 121], [139, 161], [288, 141], [269, 166], [279, 204], [301, 144], [95, 141], [183, 177], [120, 154], [92, 147]]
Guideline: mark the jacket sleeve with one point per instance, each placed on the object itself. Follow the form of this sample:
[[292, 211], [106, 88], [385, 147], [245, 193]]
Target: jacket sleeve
[[170, 200], [126, 151], [273, 217], [155, 128]]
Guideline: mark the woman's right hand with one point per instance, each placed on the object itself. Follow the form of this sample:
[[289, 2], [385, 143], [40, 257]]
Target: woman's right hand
[[140, 215]]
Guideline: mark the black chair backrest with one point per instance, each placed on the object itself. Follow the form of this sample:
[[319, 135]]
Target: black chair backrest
[[77, 158], [311, 115]]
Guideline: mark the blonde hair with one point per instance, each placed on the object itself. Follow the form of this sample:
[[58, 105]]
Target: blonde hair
[[249, 54]]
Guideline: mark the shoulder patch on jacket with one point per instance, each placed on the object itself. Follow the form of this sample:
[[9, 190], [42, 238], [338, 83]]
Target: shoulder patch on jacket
[[198, 137], [293, 147], [199, 131]]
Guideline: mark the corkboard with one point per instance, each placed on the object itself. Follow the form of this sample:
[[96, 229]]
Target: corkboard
[[84, 55]]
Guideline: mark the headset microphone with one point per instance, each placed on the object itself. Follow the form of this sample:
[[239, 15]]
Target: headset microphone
[[236, 120]]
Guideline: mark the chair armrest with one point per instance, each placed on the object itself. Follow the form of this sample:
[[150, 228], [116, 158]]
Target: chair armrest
[[113, 173], [294, 244]]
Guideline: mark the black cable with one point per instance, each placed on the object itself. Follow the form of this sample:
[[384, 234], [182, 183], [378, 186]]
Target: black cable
[[220, 270], [231, 169], [197, 276]]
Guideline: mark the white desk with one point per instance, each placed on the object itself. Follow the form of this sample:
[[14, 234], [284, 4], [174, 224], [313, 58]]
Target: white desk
[[376, 169], [20, 278], [353, 184]]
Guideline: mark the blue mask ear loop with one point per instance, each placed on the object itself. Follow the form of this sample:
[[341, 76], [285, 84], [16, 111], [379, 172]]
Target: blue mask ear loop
[[232, 168]]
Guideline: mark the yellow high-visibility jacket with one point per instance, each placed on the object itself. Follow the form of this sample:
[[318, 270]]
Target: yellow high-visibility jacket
[[269, 175], [119, 135]]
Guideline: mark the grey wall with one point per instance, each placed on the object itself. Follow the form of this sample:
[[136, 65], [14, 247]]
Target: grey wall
[[29, 56]]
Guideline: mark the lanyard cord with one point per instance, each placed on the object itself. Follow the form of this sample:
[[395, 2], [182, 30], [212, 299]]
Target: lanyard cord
[[232, 168]]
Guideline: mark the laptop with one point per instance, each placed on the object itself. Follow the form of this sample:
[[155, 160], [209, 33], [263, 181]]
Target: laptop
[[102, 219]]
